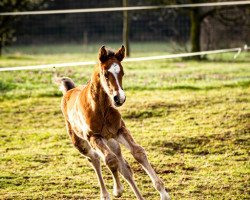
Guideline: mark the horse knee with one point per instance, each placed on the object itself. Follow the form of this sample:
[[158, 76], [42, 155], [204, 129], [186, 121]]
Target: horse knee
[[139, 154], [93, 157], [81, 145], [112, 162]]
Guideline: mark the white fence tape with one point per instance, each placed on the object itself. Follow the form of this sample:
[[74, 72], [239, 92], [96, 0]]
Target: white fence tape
[[171, 56], [89, 10], [33, 67]]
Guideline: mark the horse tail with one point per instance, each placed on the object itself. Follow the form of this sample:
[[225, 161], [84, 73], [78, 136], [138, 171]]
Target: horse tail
[[64, 83]]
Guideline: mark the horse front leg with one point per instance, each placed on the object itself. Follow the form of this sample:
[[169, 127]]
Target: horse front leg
[[87, 151], [125, 138]]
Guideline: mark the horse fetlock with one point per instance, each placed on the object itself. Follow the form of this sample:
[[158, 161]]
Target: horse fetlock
[[159, 185], [165, 196]]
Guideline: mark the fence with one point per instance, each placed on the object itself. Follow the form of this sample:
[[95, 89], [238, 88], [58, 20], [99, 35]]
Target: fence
[[164, 29]]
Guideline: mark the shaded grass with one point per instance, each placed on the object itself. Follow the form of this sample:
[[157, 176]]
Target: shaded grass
[[192, 118]]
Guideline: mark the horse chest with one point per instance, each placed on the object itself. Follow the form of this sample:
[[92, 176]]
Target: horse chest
[[112, 123], [104, 126], [86, 124], [110, 130]]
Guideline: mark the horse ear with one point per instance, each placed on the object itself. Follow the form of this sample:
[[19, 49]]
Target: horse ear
[[120, 54], [102, 56]]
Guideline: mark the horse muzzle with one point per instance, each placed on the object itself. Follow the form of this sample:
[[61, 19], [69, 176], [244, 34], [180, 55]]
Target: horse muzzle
[[118, 100]]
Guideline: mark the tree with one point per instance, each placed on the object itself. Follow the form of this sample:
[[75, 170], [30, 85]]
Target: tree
[[227, 16], [7, 29], [197, 15]]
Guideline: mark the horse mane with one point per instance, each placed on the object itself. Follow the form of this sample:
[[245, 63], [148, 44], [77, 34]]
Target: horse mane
[[110, 53]]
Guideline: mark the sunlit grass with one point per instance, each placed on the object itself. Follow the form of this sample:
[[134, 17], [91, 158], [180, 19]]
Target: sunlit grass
[[191, 117], [61, 53]]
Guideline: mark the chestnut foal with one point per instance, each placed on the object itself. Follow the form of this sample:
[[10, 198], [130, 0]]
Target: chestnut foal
[[96, 127]]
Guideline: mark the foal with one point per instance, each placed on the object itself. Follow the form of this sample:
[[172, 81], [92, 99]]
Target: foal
[[96, 127]]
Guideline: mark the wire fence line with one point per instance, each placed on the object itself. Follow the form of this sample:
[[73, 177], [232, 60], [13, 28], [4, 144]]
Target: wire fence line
[[164, 29], [167, 23], [238, 50], [132, 8]]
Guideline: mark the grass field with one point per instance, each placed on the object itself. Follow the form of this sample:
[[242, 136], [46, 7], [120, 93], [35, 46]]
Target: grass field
[[193, 119]]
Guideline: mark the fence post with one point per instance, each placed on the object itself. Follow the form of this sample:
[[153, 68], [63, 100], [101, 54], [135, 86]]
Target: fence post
[[126, 28]]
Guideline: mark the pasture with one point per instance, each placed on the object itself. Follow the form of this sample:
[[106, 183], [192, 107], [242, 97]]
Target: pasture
[[193, 119]]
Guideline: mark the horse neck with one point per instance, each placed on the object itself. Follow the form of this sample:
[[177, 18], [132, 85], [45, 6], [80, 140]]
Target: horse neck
[[97, 92]]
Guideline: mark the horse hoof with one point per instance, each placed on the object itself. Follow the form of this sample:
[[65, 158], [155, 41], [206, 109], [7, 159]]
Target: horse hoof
[[117, 192], [105, 197]]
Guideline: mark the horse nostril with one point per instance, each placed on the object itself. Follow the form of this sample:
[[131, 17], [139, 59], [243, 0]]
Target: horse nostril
[[116, 98]]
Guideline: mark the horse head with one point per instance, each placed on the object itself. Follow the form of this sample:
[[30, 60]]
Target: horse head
[[111, 74]]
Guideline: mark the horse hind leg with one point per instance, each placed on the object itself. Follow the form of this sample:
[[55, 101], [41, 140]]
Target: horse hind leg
[[124, 167], [87, 151], [111, 161], [117, 188]]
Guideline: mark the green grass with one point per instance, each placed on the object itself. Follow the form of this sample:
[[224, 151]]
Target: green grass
[[61, 53], [193, 119]]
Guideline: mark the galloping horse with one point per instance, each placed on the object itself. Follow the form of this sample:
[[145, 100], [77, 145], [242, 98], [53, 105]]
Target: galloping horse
[[96, 127]]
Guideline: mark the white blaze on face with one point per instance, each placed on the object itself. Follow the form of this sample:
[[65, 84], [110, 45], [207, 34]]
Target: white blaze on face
[[115, 70]]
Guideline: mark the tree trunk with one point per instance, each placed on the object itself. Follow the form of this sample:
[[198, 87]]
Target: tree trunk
[[126, 28], [195, 31], [1, 47]]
